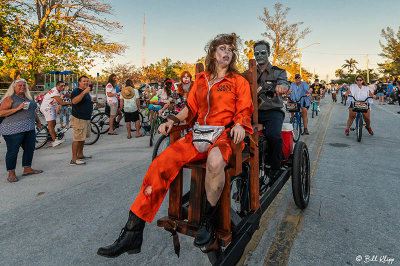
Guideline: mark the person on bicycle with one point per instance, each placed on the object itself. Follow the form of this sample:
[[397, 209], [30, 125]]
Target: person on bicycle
[[297, 90], [270, 110], [359, 92], [165, 96], [48, 108], [186, 85], [219, 97], [316, 91]]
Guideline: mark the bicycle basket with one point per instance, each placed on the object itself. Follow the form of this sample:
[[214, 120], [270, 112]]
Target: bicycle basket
[[293, 107], [361, 107]]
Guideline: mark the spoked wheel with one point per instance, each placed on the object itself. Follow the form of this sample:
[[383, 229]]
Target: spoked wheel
[[42, 136], [240, 191], [313, 111], [301, 175], [102, 120], [296, 129], [161, 144], [359, 128], [94, 134]]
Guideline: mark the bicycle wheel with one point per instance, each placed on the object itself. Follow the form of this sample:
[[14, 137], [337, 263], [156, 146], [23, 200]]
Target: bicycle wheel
[[296, 129], [359, 127], [102, 120], [161, 144], [152, 130], [312, 112], [42, 136], [94, 134]]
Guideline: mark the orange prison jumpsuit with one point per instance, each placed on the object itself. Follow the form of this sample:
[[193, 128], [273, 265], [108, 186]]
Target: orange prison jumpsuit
[[229, 100]]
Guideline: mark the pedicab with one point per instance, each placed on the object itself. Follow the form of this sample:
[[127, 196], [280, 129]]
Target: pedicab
[[245, 195]]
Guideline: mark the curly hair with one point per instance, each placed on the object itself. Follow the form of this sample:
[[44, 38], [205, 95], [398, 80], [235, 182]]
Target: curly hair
[[211, 62], [184, 73]]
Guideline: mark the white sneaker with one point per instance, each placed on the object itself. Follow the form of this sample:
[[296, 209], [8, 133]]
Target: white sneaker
[[77, 162], [319, 109], [56, 143]]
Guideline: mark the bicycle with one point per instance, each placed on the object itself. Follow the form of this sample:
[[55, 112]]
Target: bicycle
[[314, 105], [359, 107], [298, 127], [43, 135], [102, 120]]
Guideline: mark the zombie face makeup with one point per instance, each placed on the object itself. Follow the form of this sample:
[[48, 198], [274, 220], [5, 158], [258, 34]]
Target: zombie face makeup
[[261, 54], [223, 54], [186, 79]]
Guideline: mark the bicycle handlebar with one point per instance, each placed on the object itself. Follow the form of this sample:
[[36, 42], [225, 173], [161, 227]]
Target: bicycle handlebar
[[359, 100], [298, 101]]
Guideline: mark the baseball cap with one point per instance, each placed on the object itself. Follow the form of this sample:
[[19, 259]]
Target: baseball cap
[[297, 76]]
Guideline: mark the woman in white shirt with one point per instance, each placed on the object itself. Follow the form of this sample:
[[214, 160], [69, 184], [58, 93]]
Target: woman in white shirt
[[112, 101], [359, 93]]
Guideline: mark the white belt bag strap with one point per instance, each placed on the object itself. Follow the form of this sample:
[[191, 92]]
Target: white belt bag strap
[[205, 136]]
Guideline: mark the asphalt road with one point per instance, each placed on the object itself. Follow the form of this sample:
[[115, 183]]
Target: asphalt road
[[62, 216]]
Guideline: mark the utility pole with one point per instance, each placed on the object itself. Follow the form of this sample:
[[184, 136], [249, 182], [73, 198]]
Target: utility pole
[[144, 42], [367, 70], [300, 60]]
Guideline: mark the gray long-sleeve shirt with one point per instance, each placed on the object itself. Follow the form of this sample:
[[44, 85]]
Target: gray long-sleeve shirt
[[272, 74]]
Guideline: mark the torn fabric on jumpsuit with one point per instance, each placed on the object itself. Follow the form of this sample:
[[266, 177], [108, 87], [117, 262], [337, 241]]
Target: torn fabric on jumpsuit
[[226, 101]]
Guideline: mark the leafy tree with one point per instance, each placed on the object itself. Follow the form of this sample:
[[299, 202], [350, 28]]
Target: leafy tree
[[284, 36], [350, 64], [390, 51], [249, 50], [57, 35], [339, 73]]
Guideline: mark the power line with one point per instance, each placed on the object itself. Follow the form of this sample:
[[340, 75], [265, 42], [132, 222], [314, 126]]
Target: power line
[[338, 53]]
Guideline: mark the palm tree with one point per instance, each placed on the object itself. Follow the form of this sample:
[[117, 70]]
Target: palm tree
[[350, 64], [339, 73]]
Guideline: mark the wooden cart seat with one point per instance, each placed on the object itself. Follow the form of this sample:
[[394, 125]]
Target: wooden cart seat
[[198, 171]]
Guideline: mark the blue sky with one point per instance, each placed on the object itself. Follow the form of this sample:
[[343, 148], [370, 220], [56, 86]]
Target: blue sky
[[180, 29]]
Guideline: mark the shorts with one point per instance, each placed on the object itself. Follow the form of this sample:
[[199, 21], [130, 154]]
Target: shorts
[[49, 113], [153, 107], [380, 94], [131, 116], [81, 128], [113, 108]]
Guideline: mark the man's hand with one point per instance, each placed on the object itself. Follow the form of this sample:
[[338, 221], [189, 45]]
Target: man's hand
[[280, 89], [166, 127], [87, 90], [39, 124], [238, 133]]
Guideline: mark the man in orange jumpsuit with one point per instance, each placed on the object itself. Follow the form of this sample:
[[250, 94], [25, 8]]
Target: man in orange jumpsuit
[[219, 97]]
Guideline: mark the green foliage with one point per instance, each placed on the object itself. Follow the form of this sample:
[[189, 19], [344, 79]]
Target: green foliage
[[390, 51]]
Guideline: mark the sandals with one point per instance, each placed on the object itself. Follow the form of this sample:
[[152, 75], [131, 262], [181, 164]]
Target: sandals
[[12, 179], [114, 133], [34, 172], [141, 135]]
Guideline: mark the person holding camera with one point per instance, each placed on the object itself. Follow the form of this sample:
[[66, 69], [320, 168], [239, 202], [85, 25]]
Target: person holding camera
[[82, 108], [270, 112]]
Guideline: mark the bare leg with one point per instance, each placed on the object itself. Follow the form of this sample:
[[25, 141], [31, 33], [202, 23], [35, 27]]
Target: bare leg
[[75, 147], [111, 128], [352, 116], [304, 116], [137, 125], [128, 128], [80, 149], [215, 176], [51, 125], [367, 118]]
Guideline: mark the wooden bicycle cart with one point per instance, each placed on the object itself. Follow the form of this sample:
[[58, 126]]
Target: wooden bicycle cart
[[234, 229]]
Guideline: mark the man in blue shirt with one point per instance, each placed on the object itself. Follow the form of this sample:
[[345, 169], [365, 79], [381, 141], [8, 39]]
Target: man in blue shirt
[[82, 108], [297, 90]]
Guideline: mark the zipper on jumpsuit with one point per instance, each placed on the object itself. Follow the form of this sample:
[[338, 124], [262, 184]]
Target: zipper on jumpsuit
[[208, 97]]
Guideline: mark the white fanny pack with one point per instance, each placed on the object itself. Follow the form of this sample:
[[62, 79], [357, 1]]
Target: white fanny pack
[[205, 136]]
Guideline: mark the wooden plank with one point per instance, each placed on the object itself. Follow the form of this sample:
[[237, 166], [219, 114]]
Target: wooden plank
[[254, 175], [196, 195], [224, 212], [176, 187]]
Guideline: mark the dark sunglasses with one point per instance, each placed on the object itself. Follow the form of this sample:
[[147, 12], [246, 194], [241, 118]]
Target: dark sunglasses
[[359, 80], [298, 78], [263, 52]]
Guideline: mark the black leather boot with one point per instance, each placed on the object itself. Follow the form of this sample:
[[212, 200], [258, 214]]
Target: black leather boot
[[205, 233], [130, 239]]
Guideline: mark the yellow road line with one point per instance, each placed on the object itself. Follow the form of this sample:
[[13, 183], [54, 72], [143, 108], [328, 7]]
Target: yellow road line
[[279, 251], [270, 211]]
